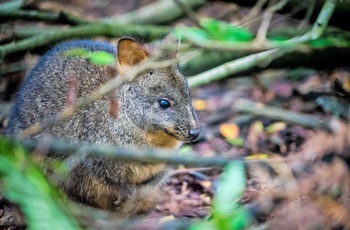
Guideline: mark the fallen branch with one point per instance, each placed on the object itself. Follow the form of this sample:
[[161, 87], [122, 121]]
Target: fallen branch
[[305, 120]]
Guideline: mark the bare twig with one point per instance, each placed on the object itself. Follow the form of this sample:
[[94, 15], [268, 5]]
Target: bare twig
[[254, 12], [267, 16], [190, 170]]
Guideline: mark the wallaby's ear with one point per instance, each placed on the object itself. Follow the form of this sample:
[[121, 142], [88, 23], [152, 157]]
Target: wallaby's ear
[[130, 52], [171, 39], [173, 44]]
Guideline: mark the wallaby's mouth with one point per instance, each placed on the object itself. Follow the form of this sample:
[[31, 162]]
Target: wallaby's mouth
[[187, 137], [163, 139]]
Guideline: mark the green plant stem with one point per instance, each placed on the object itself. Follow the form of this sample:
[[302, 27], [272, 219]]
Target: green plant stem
[[233, 67], [107, 29], [321, 22]]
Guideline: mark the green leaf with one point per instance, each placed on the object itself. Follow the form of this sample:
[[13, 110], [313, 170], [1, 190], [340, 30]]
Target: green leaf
[[186, 149], [236, 141], [24, 184], [258, 126], [321, 43], [77, 52], [97, 57], [223, 31], [193, 34], [201, 225], [101, 58], [231, 187], [239, 220]]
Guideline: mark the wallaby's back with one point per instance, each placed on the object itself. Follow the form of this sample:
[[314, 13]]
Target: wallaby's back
[[44, 92], [154, 110]]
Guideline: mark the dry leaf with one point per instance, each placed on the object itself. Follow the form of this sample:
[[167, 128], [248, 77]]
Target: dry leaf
[[229, 130], [199, 105], [205, 184], [276, 127], [166, 219]]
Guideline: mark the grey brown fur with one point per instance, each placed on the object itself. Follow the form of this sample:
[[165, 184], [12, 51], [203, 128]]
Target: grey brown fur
[[120, 187]]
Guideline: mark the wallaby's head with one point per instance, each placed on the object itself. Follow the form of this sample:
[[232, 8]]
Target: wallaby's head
[[157, 101]]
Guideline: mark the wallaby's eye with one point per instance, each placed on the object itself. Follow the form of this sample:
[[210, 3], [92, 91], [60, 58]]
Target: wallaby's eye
[[150, 73], [164, 104]]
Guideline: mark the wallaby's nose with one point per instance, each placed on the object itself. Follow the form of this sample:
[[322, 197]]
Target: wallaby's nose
[[194, 133]]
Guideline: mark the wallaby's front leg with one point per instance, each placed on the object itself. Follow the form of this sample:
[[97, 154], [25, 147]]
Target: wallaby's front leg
[[85, 186]]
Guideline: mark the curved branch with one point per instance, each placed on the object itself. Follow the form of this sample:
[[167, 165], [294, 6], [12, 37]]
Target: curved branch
[[107, 29]]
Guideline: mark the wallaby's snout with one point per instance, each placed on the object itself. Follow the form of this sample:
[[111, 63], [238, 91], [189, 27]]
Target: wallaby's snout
[[194, 133], [194, 129]]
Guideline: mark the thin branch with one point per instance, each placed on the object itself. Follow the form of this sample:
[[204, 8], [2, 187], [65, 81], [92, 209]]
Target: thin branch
[[83, 150], [5, 109], [254, 12], [11, 68], [252, 46], [89, 30], [62, 17], [266, 19]]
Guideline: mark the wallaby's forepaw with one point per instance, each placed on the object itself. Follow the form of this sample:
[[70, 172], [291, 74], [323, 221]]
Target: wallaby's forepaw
[[124, 193]]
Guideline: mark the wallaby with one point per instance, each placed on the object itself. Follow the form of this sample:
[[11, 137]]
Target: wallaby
[[154, 111]]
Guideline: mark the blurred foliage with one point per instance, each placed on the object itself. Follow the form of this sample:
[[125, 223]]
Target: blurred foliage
[[227, 212], [213, 30], [24, 184], [97, 57]]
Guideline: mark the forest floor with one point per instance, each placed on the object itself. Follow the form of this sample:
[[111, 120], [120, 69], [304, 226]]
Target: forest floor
[[313, 162]]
